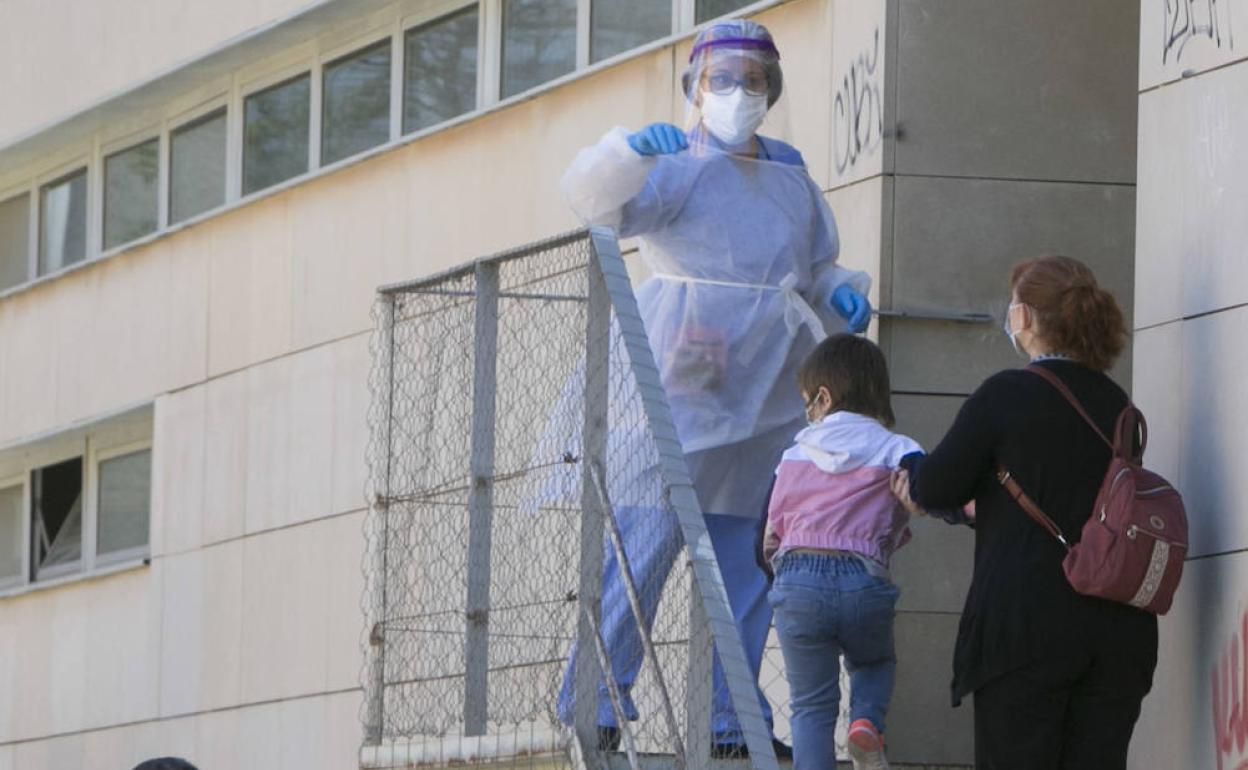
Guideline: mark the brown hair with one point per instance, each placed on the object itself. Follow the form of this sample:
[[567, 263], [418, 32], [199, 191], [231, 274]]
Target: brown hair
[[853, 370], [1074, 314]]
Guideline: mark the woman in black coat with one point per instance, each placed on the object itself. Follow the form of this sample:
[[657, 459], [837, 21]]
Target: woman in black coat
[[1058, 677]]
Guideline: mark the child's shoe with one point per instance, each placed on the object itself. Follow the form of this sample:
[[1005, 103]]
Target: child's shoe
[[866, 746]]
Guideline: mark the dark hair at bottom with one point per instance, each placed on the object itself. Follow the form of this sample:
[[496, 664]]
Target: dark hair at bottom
[[165, 763], [854, 371]]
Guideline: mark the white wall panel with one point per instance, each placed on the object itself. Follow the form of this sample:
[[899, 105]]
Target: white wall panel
[[28, 390], [344, 589], [178, 472], [1159, 237], [352, 364], [124, 640], [1158, 391], [270, 435], [1214, 485], [68, 650], [225, 457], [1189, 36], [857, 114], [311, 442], [258, 729], [1208, 624], [250, 289], [182, 644], [200, 650], [1192, 160], [284, 641]]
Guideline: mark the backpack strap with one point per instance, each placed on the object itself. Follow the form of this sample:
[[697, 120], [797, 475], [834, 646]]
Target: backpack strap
[[1029, 506], [1057, 383]]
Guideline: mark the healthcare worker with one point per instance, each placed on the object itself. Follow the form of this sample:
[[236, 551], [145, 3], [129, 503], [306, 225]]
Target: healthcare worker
[[743, 249]]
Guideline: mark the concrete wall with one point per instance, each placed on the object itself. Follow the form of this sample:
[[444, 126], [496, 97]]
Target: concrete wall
[[1191, 322], [91, 50], [1008, 132]]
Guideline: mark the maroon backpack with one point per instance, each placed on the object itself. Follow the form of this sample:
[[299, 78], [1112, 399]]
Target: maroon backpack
[[1133, 546]]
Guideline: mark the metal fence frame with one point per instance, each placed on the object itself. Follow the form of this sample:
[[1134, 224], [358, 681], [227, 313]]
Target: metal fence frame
[[610, 296]]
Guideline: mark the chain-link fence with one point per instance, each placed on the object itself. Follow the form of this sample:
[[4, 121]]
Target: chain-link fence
[[529, 502]]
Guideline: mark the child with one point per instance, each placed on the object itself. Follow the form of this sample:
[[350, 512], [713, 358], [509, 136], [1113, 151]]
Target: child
[[832, 525]]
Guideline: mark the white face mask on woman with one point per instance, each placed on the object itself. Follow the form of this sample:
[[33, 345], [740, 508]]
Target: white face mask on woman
[[734, 117], [1013, 335]]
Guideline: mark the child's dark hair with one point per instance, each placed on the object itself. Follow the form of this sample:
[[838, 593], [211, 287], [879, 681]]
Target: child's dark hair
[[853, 370], [165, 763]]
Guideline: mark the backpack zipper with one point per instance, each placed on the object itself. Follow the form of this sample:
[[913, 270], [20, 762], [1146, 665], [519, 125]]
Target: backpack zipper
[[1134, 530]]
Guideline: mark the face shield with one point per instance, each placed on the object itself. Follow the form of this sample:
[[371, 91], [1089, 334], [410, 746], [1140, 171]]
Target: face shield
[[734, 90]]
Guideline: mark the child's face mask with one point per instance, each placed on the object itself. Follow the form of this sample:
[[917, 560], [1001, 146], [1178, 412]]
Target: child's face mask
[[817, 407]]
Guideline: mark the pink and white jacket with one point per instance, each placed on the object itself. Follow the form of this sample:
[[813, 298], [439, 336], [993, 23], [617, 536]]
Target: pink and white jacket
[[832, 490]]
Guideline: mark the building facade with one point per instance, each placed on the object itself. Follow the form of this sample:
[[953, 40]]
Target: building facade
[[198, 200]]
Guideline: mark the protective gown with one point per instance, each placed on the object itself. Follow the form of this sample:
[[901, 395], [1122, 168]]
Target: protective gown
[[743, 254], [743, 259]]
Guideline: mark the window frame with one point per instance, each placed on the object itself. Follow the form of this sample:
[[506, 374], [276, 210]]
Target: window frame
[[84, 163], [101, 439], [429, 16], [342, 52], [57, 453], [116, 147], [23, 482], [186, 119], [7, 194], [273, 80], [98, 455]]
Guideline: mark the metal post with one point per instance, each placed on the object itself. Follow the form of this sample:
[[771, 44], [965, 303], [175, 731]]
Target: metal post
[[374, 719], [643, 627], [700, 684], [597, 367], [679, 493], [481, 502], [613, 690]]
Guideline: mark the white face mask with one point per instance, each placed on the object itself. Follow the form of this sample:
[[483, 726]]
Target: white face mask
[[733, 118], [1013, 335]]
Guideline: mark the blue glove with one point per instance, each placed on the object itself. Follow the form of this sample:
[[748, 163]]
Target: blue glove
[[852, 306], [658, 139]]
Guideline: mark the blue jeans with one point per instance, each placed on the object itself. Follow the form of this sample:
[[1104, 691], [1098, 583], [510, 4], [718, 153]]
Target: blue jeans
[[825, 606]]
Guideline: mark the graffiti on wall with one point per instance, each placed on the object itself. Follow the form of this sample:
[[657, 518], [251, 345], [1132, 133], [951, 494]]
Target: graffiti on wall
[[1188, 20], [858, 109], [1230, 701]]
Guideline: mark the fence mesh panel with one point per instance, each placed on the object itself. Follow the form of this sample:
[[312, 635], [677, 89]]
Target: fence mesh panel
[[474, 562]]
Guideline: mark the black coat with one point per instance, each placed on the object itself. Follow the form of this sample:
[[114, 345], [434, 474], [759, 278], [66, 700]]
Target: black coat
[[1020, 606]]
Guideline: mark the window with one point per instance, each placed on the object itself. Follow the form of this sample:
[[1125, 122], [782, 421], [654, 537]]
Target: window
[[131, 193], [440, 70], [14, 241], [11, 535], [539, 42], [617, 25], [197, 167], [355, 113], [123, 506], [275, 134], [63, 222], [710, 9], [56, 519], [76, 503]]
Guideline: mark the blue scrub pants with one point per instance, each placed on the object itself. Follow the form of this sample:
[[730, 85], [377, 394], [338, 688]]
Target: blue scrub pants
[[652, 540]]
